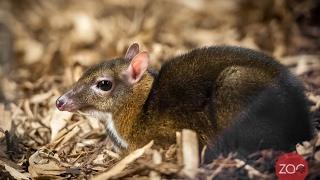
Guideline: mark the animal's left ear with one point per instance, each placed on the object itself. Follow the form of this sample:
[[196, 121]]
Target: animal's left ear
[[137, 67], [132, 51]]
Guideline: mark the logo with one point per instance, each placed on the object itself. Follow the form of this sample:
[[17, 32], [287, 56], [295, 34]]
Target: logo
[[291, 166]]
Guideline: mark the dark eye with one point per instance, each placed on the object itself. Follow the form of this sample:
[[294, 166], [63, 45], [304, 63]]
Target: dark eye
[[104, 85]]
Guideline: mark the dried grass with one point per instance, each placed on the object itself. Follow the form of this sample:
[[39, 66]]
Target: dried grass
[[46, 45]]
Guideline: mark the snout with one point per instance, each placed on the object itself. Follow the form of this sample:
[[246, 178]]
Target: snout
[[64, 103], [60, 104]]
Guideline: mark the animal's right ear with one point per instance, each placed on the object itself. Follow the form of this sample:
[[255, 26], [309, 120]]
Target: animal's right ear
[[137, 67], [132, 51]]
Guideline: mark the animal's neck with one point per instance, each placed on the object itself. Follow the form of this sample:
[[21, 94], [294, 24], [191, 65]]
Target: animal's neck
[[128, 117]]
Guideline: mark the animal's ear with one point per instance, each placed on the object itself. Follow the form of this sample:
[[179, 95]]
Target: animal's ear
[[137, 67], [132, 51]]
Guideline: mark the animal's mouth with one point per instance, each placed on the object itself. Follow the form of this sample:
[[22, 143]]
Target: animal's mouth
[[83, 113], [83, 110]]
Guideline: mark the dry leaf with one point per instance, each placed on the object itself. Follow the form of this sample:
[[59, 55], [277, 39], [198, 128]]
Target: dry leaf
[[123, 163], [317, 156], [38, 98], [5, 119], [318, 140], [16, 174], [157, 159], [305, 148], [189, 149], [58, 122], [47, 169], [84, 29], [35, 158]]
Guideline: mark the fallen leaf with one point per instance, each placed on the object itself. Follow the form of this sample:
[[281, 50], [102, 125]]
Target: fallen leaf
[[14, 173], [123, 163]]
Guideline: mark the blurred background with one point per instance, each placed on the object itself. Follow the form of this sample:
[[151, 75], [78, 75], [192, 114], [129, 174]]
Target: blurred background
[[46, 38], [46, 45]]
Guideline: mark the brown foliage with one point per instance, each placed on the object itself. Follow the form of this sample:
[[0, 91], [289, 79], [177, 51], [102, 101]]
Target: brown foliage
[[46, 45]]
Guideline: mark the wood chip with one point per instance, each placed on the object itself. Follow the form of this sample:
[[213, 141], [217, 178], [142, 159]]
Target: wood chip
[[157, 159], [16, 174], [189, 149], [123, 163]]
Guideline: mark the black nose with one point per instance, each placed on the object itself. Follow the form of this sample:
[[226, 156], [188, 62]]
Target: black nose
[[59, 103]]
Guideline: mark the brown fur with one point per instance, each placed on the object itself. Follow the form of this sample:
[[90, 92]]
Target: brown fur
[[236, 99]]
